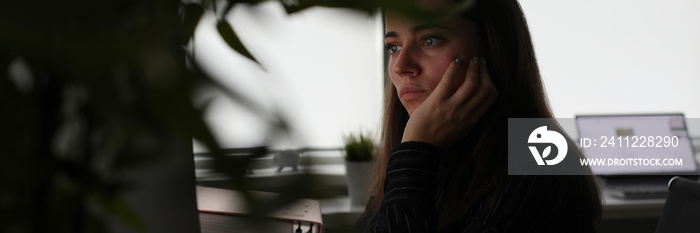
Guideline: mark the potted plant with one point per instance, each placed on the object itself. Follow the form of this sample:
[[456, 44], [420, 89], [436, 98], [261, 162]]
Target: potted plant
[[359, 150]]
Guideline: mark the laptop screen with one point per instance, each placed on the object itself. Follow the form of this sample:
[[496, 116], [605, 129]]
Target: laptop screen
[[636, 144]]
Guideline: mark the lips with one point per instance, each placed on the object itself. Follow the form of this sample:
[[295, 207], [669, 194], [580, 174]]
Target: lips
[[411, 92]]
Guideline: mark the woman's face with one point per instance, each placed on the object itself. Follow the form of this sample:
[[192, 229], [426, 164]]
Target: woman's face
[[420, 53]]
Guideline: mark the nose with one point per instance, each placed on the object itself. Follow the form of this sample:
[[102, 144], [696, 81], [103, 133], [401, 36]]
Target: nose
[[406, 63]]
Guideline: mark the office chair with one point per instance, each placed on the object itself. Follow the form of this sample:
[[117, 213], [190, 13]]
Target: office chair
[[682, 209]]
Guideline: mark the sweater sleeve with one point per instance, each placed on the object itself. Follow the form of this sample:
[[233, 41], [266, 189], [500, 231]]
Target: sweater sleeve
[[521, 204], [409, 190]]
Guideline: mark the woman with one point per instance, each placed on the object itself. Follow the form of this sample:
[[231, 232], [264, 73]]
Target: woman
[[454, 82]]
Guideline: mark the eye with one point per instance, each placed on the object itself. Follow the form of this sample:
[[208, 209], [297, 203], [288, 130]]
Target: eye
[[392, 48], [431, 40]]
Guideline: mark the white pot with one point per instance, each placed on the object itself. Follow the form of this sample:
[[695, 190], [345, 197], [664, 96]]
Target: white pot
[[357, 176]]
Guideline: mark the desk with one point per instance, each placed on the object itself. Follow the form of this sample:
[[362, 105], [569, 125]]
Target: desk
[[338, 212], [618, 215], [618, 208], [629, 215]]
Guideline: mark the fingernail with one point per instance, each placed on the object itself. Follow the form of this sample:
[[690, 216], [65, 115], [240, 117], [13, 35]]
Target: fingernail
[[458, 60], [483, 60]]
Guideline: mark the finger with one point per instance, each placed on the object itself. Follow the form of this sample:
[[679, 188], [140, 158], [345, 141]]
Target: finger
[[486, 75], [489, 96], [484, 97], [484, 71], [471, 82], [486, 104], [486, 88], [444, 88], [474, 68]]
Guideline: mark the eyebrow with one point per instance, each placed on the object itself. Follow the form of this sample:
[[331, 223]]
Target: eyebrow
[[418, 28]]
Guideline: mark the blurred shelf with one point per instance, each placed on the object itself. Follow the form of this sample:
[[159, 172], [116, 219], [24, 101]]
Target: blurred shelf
[[325, 167]]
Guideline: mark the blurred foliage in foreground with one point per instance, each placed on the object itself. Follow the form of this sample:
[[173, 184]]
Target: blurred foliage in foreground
[[92, 88]]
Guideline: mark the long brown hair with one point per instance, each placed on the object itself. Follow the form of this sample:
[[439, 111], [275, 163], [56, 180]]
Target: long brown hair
[[480, 162]]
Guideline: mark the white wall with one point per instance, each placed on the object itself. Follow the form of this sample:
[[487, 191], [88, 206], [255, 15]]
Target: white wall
[[621, 56], [324, 67], [323, 71]]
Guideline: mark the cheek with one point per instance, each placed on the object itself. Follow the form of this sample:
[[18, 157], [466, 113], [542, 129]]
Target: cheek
[[439, 64], [394, 79], [437, 70]]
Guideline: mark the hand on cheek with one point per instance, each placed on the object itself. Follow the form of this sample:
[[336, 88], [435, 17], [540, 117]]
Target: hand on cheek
[[454, 107]]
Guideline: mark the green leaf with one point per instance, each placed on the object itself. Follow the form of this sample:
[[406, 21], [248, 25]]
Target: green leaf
[[463, 6], [227, 33], [192, 13], [294, 6], [123, 211], [358, 148]]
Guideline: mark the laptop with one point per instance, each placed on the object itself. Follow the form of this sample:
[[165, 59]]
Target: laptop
[[636, 155]]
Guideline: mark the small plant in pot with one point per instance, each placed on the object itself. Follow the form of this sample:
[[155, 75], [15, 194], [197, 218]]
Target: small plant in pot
[[359, 150]]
